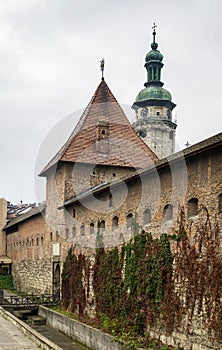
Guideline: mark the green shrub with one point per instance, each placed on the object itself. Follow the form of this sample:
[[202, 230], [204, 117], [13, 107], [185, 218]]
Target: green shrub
[[6, 282]]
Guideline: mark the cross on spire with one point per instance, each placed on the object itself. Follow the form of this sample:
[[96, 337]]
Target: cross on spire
[[154, 31]]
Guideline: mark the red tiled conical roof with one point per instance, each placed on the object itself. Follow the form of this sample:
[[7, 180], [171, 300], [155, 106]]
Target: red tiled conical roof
[[104, 136]]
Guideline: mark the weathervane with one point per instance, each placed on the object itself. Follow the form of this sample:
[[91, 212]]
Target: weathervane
[[154, 31], [102, 64]]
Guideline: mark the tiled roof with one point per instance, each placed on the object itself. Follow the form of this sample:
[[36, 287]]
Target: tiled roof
[[14, 210], [35, 211], [125, 147]]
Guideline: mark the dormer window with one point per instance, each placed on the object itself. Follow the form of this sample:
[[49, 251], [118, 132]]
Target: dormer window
[[102, 136], [102, 130]]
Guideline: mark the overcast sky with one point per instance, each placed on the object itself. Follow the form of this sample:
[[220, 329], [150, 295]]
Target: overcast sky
[[49, 68]]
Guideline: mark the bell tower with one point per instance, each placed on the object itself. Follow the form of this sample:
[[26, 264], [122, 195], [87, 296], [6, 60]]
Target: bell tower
[[154, 107]]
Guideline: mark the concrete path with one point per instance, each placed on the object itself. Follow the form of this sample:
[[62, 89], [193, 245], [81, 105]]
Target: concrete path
[[11, 338]]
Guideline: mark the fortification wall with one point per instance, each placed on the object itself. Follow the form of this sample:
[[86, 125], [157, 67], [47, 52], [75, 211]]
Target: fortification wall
[[3, 216]]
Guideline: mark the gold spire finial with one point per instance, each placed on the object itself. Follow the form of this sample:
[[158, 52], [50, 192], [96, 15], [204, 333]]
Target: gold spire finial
[[102, 64]]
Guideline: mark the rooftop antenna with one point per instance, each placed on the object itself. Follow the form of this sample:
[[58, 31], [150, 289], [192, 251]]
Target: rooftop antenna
[[102, 64]]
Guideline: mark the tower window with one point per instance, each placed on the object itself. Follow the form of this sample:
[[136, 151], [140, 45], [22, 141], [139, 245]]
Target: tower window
[[91, 228], [102, 226], [155, 73], [192, 209], [73, 232], [102, 135], [102, 130], [220, 203], [129, 220], [82, 230], [115, 222], [168, 212], [157, 113], [110, 200], [142, 133], [144, 112], [74, 213]]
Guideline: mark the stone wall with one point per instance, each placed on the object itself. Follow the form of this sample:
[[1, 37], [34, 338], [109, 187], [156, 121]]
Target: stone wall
[[3, 215], [174, 184], [31, 250], [33, 276], [66, 181], [195, 180]]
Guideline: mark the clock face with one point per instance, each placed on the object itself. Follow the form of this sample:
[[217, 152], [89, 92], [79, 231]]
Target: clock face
[[144, 112]]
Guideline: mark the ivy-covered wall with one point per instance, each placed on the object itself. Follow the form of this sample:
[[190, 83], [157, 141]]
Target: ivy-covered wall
[[152, 286]]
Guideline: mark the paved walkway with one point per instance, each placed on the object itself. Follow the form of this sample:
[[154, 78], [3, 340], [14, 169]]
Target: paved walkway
[[11, 338]]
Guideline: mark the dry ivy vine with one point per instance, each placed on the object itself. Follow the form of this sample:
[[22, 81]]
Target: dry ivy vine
[[150, 281]]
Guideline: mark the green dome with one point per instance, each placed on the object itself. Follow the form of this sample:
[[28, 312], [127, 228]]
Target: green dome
[[153, 93], [154, 54]]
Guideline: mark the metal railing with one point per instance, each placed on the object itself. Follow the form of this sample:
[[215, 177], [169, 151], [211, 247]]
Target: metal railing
[[30, 300]]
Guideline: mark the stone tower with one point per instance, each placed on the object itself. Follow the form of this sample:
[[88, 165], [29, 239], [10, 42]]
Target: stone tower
[[154, 107], [102, 148]]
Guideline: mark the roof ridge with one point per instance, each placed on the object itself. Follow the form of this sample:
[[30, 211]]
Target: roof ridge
[[77, 128]]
